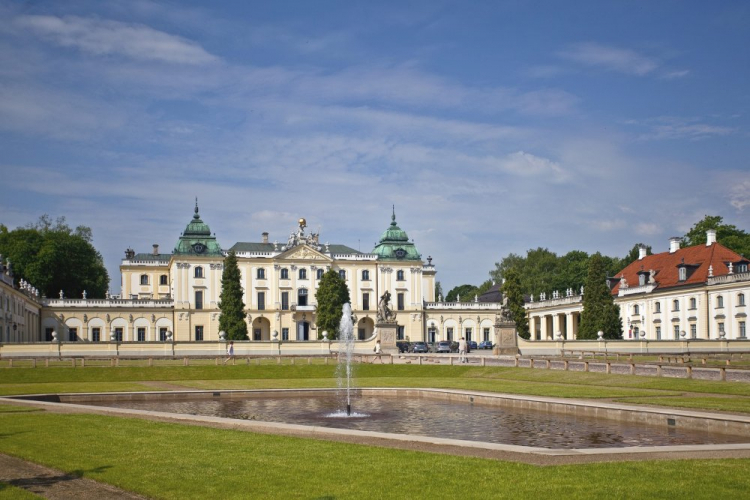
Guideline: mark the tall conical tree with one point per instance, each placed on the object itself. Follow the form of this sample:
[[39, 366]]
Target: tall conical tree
[[232, 318], [512, 290], [600, 313], [331, 296]]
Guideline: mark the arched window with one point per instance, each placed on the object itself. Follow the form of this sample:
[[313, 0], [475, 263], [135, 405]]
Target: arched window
[[320, 273], [693, 304], [675, 305], [365, 275], [163, 279], [683, 273], [636, 309], [741, 299], [719, 301], [342, 274], [657, 307], [400, 275], [199, 272], [303, 274], [260, 274], [144, 279], [285, 274]]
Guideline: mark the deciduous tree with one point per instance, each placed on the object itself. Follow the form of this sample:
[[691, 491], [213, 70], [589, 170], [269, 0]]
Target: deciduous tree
[[727, 234]]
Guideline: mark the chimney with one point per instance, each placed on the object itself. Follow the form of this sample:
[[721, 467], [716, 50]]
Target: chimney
[[710, 237], [265, 237], [156, 249], [674, 244], [641, 251]]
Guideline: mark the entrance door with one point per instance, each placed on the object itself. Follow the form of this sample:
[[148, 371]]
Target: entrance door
[[431, 333], [303, 330]]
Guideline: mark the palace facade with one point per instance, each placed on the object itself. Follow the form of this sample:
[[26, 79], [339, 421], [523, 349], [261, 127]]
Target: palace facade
[[175, 296], [698, 292]]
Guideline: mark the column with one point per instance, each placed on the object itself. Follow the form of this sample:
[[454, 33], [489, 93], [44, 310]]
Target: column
[[555, 325], [543, 335], [569, 333]]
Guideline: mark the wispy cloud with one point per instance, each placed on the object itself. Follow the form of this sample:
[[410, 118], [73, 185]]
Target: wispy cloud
[[671, 75], [610, 58], [671, 127], [739, 195], [105, 37]]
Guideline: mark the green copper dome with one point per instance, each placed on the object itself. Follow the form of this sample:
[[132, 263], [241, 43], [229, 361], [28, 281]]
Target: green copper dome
[[197, 238], [395, 245]]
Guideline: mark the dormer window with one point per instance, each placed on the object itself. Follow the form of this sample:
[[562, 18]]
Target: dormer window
[[742, 267], [683, 273], [641, 279], [285, 274], [199, 272]]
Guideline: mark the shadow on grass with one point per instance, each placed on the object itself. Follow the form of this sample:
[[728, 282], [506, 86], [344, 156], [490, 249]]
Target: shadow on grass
[[41, 482]]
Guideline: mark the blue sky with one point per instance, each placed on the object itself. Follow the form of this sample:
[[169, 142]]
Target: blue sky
[[493, 127]]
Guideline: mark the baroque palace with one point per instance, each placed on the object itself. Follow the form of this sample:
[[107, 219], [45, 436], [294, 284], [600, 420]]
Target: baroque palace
[[174, 296]]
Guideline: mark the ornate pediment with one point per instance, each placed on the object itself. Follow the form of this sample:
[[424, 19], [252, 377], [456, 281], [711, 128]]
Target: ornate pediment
[[303, 252]]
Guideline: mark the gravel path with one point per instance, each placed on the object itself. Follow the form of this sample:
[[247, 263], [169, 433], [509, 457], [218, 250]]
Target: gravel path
[[51, 483]]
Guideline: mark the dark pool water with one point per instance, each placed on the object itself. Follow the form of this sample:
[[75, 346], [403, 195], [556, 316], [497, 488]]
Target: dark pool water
[[429, 417]]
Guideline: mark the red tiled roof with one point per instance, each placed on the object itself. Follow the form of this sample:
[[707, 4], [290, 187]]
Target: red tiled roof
[[698, 257]]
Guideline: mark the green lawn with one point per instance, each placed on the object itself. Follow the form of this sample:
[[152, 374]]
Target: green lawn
[[10, 492], [176, 461]]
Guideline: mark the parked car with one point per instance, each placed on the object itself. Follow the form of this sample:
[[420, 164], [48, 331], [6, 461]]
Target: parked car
[[443, 346], [419, 347], [486, 344], [472, 345], [403, 346]]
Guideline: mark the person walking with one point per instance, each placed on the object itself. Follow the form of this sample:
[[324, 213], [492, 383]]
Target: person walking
[[230, 352], [462, 350], [378, 352]]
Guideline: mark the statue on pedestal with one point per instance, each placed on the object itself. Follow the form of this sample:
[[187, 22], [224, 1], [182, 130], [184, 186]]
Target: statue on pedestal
[[384, 311]]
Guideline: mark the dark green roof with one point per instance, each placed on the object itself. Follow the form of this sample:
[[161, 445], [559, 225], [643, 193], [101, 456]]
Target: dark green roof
[[395, 245], [197, 239], [149, 257]]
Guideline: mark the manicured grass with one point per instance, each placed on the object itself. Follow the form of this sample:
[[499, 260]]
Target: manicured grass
[[739, 405], [175, 461], [56, 387], [10, 492]]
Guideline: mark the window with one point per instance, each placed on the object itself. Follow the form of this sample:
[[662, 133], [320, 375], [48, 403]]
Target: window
[[118, 334], [365, 301], [657, 307], [72, 334], [162, 334], [199, 299], [693, 331], [636, 332], [285, 274], [400, 333], [741, 268], [319, 273], [199, 272], [741, 299], [693, 303], [486, 335], [467, 335], [449, 334], [48, 334], [721, 329], [675, 305], [658, 333], [284, 301], [96, 334], [400, 301], [261, 301], [431, 334], [365, 275], [144, 279], [636, 309], [141, 334], [641, 279], [400, 275], [285, 334], [260, 274], [683, 274], [303, 274], [676, 332], [257, 334], [719, 302], [743, 332], [302, 297], [198, 333], [361, 334], [342, 274]]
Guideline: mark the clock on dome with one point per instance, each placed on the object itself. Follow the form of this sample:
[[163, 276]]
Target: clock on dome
[[199, 248]]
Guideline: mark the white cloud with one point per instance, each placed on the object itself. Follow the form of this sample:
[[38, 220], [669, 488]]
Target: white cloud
[[671, 75], [522, 163], [610, 58], [739, 195], [647, 228], [105, 37], [670, 127]]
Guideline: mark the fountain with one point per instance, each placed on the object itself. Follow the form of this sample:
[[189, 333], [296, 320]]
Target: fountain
[[346, 348]]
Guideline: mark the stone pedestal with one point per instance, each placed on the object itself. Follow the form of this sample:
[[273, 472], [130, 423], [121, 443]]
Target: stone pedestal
[[506, 341], [387, 336]]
